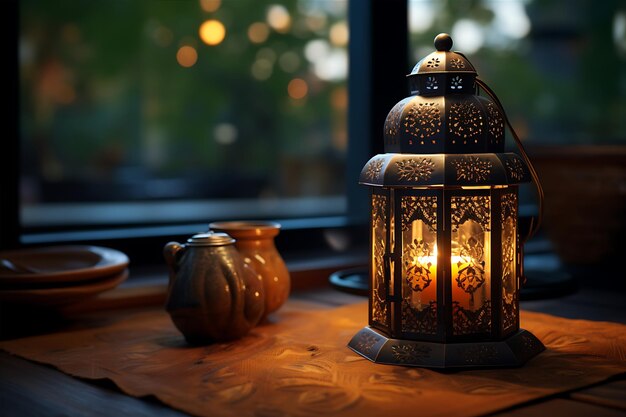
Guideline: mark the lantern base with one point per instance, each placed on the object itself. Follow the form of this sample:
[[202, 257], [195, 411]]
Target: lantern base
[[513, 351]]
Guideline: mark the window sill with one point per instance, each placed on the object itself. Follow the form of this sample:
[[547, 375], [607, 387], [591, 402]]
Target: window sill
[[148, 286]]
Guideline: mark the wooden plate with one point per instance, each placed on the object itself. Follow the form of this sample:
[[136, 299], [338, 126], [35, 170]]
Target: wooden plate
[[62, 296], [59, 264]]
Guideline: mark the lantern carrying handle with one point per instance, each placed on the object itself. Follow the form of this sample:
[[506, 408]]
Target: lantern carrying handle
[[535, 222]]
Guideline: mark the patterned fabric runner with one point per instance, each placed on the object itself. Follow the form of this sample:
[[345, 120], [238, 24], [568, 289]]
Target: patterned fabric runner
[[299, 365]]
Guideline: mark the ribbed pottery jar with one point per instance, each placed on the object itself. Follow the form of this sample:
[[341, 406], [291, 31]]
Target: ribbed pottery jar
[[255, 242]]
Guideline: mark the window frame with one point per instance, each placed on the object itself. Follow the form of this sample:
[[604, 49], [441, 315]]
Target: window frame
[[378, 60]]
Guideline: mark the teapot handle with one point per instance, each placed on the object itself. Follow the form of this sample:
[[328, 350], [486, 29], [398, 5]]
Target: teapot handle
[[172, 253]]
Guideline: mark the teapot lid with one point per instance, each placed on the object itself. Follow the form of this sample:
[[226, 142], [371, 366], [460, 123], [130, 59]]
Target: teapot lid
[[210, 239]]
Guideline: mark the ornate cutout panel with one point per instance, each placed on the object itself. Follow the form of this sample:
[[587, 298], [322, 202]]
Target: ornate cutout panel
[[379, 231], [509, 256], [419, 269], [471, 264]]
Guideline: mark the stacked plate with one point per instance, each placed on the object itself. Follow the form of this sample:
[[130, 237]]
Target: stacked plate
[[59, 275]]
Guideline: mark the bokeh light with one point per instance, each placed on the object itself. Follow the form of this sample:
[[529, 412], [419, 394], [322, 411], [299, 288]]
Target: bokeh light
[[316, 21], [225, 133], [278, 18], [297, 88], [339, 98], [511, 19], [210, 5], [338, 34], [212, 32], [329, 63], [258, 32], [187, 56], [262, 69], [289, 61], [468, 36]]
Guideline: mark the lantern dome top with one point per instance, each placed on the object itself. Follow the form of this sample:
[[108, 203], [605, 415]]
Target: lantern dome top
[[443, 60], [444, 113]]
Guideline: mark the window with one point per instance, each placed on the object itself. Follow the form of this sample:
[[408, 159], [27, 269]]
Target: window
[[159, 112], [194, 111], [557, 73]]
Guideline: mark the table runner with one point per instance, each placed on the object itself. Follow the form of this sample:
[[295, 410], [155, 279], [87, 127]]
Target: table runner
[[299, 365]]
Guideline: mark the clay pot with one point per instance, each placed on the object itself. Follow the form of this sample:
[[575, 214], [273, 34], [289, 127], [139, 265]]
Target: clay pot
[[255, 242]]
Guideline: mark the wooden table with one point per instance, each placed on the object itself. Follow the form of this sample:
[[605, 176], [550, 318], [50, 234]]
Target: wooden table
[[29, 389]]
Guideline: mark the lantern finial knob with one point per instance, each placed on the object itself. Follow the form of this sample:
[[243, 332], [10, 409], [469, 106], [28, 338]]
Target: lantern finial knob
[[443, 42]]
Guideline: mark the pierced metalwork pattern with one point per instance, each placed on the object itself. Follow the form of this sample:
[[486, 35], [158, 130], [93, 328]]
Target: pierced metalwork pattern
[[509, 310], [509, 249], [422, 208], [432, 84], [477, 354], [373, 169], [423, 120], [379, 224], [466, 208], [471, 267], [466, 121], [379, 306], [472, 168], [515, 169], [410, 353], [467, 321], [366, 342], [415, 169], [379, 212], [417, 273], [456, 83], [433, 63], [457, 63], [496, 123], [419, 321], [509, 207], [394, 121]]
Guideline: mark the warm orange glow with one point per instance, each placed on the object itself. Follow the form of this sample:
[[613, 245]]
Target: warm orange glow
[[187, 56], [212, 32], [338, 34], [210, 5], [297, 88], [279, 18], [258, 32], [339, 98]]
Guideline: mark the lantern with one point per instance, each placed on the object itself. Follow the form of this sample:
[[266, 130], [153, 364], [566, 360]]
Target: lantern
[[446, 260]]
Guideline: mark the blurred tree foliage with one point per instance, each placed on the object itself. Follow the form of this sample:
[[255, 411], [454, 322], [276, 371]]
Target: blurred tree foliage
[[104, 98], [562, 83]]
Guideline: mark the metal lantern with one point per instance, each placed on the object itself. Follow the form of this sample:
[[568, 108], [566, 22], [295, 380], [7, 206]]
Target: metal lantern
[[445, 263]]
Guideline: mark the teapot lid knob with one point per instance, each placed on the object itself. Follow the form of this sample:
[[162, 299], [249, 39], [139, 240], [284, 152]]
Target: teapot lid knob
[[210, 239]]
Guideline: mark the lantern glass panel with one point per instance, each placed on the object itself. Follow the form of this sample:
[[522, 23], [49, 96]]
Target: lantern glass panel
[[379, 308], [471, 264], [391, 276], [509, 257], [419, 264]]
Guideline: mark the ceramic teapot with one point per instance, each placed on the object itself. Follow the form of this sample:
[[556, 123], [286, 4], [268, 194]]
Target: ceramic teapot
[[213, 295]]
